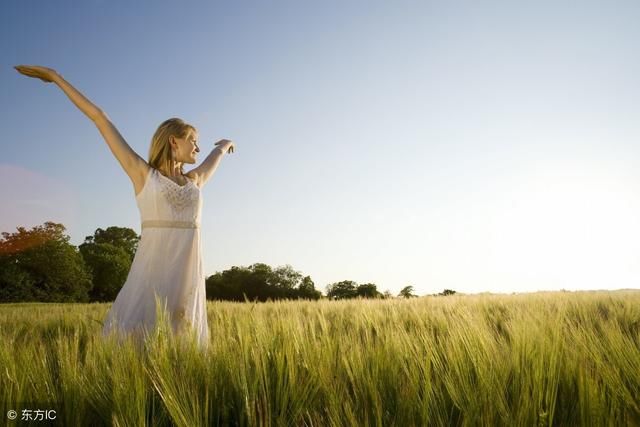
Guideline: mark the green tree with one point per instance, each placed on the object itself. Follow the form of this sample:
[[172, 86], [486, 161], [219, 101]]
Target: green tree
[[368, 290], [291, 284], [41, 265], [109, 266], [15, 284], [285, 281], [121, 237], [227, 285], [260, 282], [307, 289], [239, 283], [407, 292], [342, 290], [109, 254]]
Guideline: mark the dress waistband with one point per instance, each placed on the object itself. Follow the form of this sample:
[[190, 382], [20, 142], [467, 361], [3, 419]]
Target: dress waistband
[[159, 223]]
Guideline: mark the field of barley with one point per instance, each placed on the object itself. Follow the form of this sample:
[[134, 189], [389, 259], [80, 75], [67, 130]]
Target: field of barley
[[557, 358]]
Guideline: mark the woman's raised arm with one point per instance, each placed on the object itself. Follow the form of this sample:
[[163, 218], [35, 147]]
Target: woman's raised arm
[[206, 169], [134, 165]]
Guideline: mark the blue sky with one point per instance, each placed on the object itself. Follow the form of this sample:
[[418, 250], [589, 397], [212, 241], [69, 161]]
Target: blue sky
[[478, 146]]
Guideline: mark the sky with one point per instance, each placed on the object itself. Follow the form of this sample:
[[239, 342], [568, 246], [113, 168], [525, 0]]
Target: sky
[[480, 146]]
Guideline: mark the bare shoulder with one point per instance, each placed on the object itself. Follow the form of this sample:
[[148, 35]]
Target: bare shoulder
[[139, 175], [193, 176]]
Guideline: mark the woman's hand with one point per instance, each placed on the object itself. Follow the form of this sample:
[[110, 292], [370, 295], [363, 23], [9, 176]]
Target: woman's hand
[[226, 145], [43, 73]]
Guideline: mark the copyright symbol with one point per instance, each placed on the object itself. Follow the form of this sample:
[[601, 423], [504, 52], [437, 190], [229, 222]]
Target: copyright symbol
[[11, 414]]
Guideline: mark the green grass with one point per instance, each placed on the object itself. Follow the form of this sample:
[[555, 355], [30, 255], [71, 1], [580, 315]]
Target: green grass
[[541, 359]]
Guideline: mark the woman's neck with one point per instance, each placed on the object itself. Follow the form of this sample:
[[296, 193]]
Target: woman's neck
[[174, 170]]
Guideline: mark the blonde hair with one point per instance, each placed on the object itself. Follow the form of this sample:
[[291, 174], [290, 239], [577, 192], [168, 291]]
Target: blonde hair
[[160, 150]]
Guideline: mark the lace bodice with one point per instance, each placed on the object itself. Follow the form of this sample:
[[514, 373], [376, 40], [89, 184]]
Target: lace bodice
[[162, 198]]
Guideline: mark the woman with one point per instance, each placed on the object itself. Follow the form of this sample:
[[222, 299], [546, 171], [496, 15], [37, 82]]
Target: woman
[[167, 267]]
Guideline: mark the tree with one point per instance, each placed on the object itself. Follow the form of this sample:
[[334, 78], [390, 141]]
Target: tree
[[307, 289], [109, 254], [15, 284], [342, 290], [121, 237], [407, 292], [285, 280], [14, 243], [239, 283], [260, 282], [109, 267], [41, 265], [234, 284], [368, 290]]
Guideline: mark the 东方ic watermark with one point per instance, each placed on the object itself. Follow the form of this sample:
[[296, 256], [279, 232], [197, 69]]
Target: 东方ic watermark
[[33, 412]]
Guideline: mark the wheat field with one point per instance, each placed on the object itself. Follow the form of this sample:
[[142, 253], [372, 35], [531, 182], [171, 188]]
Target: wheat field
[[542, 359]]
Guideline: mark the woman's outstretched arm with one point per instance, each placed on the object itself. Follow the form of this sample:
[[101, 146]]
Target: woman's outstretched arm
[[206, 169], [135, 166]]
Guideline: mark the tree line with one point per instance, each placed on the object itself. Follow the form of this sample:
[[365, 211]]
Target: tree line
[[41, 265]]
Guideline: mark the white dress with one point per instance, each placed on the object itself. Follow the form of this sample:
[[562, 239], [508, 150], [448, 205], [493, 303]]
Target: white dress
[[167, 263]]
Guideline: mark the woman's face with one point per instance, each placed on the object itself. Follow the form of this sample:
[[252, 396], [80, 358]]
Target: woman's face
[[187, 147]]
